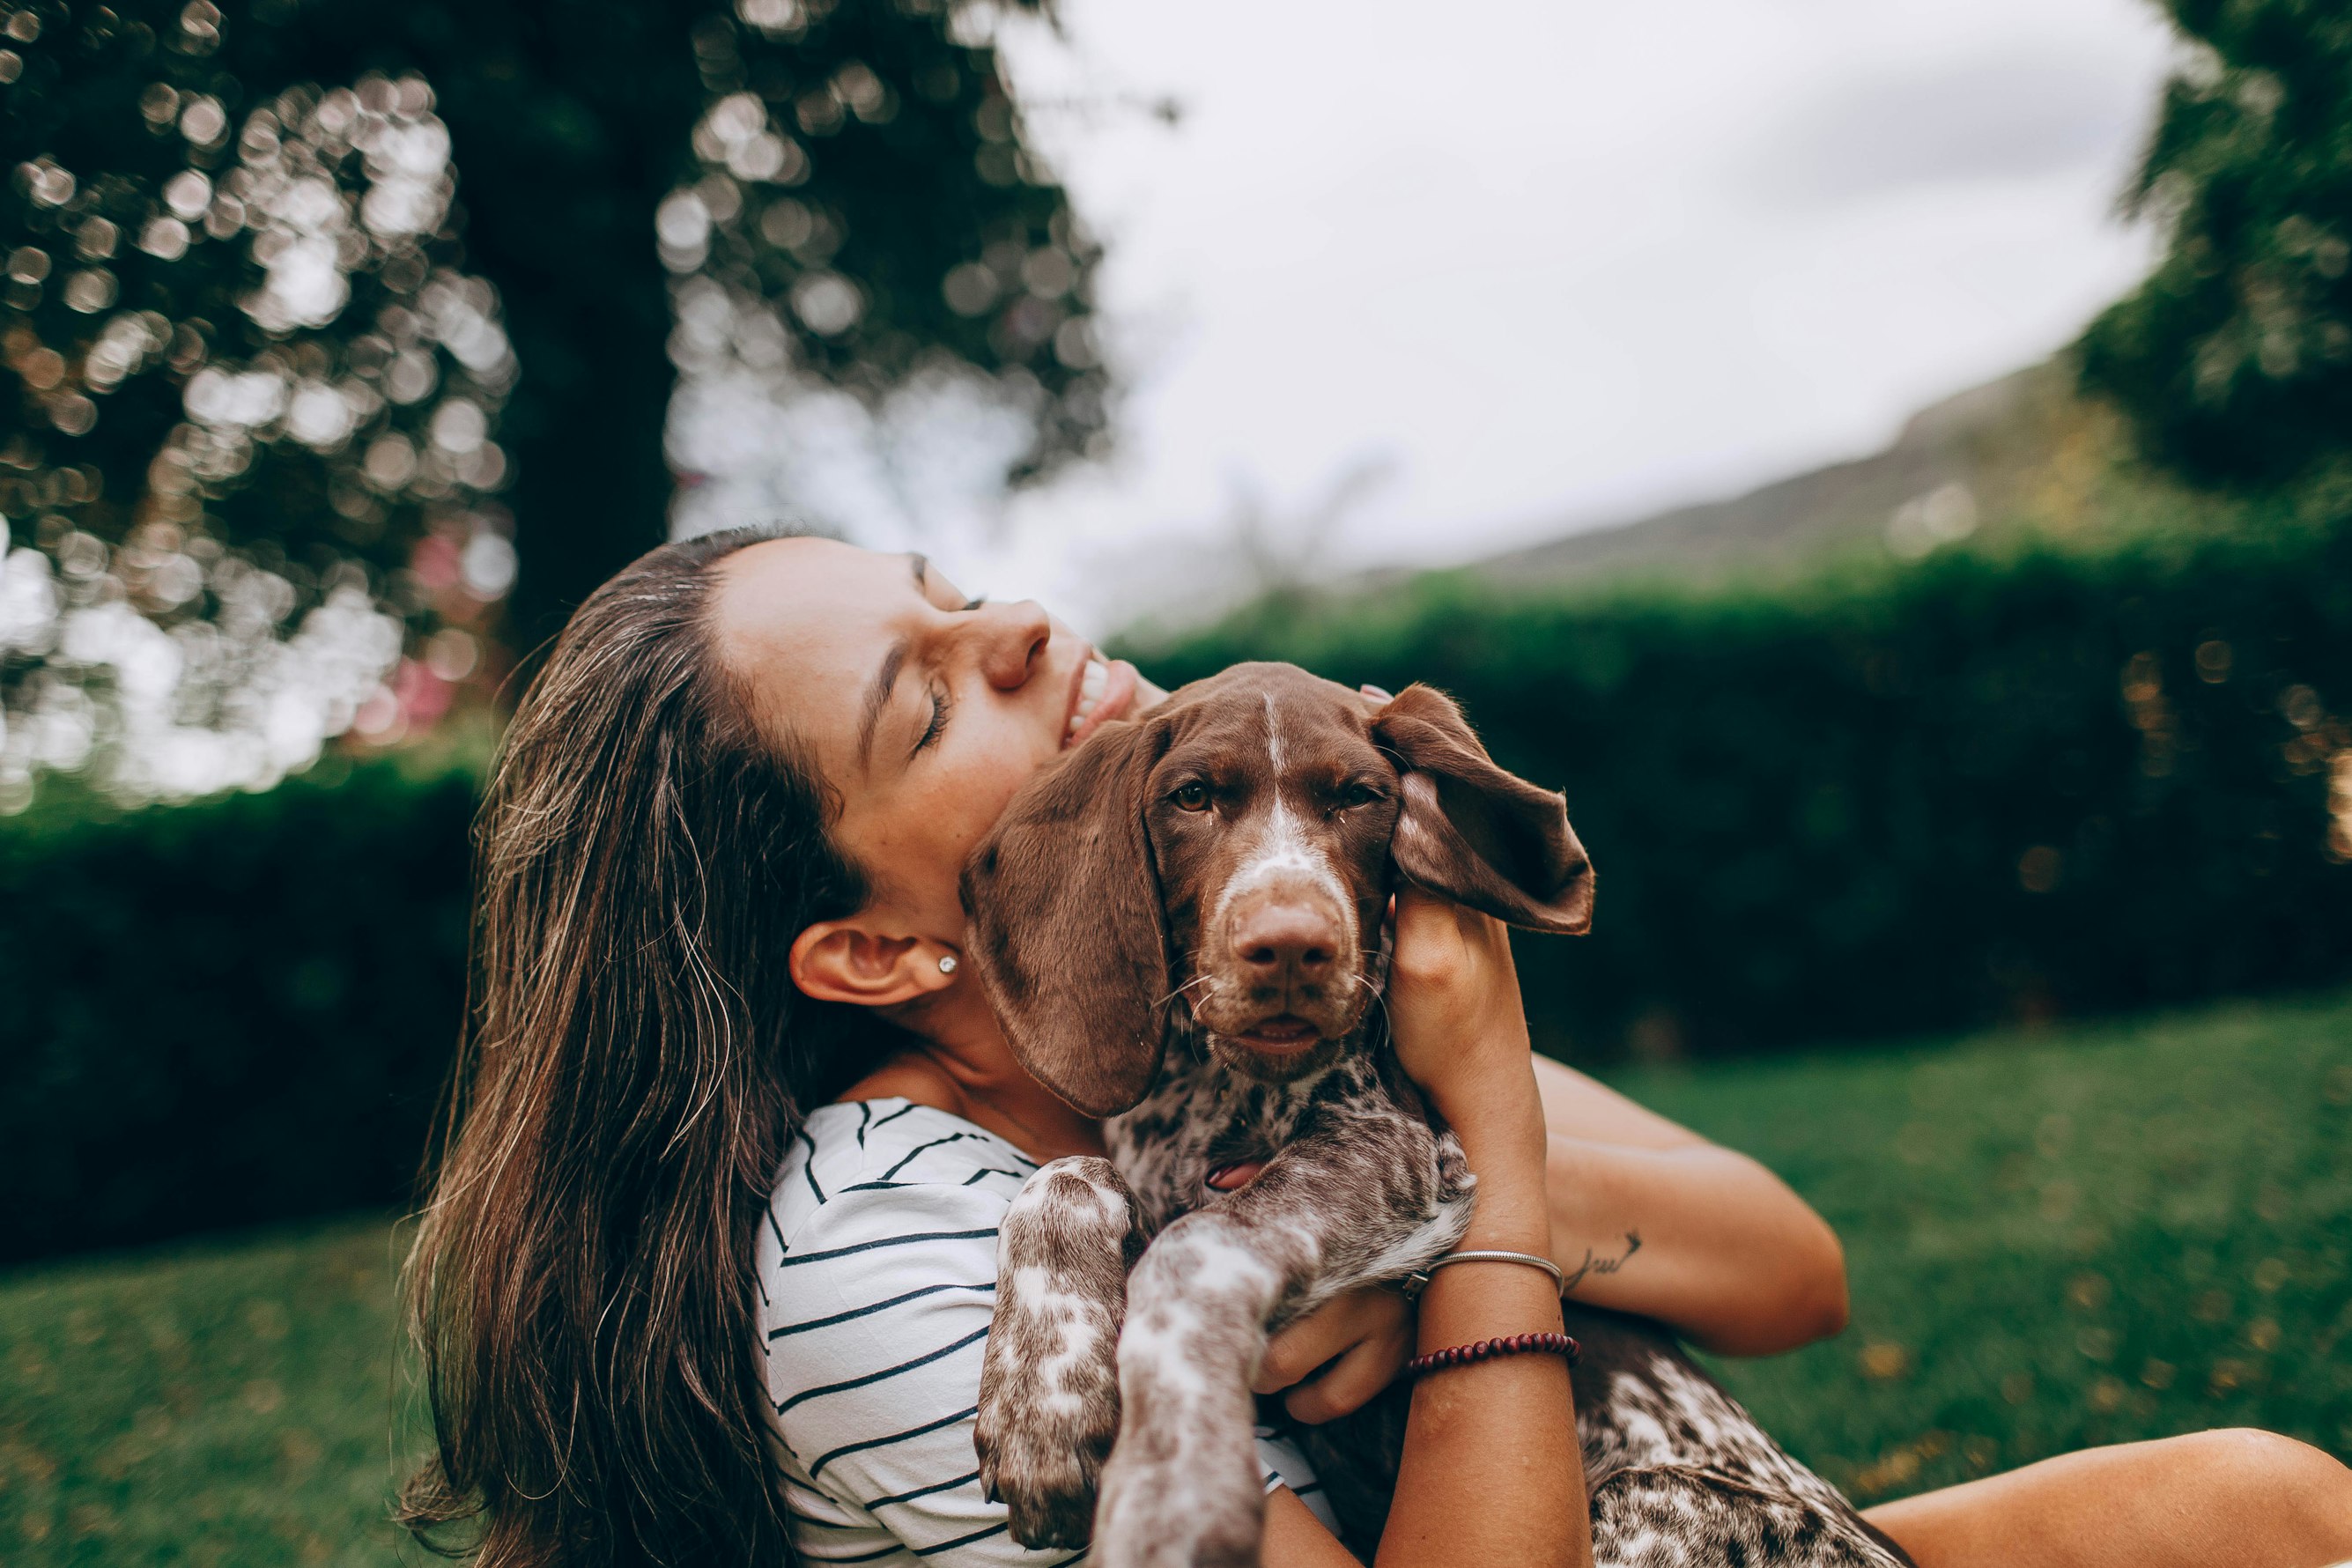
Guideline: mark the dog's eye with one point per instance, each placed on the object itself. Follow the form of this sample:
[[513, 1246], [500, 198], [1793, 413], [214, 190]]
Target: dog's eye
[[1191, 797], [1357, 794]]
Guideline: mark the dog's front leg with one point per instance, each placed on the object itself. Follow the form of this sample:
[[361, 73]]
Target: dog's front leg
[[1049, 1379], [1181, 1488]]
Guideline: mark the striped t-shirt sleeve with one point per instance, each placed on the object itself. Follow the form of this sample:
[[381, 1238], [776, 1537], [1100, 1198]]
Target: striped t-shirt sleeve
[[878, 1295]]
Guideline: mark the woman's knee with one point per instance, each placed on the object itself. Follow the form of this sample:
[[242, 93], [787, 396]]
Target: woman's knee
[[2251, 1456], [2265, 1476]]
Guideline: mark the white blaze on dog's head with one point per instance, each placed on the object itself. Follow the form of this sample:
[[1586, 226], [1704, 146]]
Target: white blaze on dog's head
[[1274, 869], [1282, 860]]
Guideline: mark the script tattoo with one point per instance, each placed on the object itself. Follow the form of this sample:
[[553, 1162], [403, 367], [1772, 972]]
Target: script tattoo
[[1594, 1264]]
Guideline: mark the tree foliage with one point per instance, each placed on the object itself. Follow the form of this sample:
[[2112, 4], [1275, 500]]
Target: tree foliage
[[2235, 357], [321, 316]]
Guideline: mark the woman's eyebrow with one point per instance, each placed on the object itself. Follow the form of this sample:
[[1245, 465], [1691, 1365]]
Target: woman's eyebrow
[[885, 678], [877, 699]]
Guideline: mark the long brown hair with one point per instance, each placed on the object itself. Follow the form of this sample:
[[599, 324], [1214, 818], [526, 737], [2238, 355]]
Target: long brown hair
[[581, 1288]]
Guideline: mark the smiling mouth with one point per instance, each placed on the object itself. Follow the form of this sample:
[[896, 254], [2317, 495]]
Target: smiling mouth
[[1104, 690], [1283, 1034]]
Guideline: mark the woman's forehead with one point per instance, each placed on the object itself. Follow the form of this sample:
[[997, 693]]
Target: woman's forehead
[[809, 597], [798, 618]]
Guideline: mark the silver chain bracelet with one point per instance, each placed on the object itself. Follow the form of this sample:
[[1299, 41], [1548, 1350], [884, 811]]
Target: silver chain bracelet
[[1418, 1280]]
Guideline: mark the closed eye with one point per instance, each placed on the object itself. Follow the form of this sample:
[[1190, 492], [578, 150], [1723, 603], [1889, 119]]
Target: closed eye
[[942, 706]]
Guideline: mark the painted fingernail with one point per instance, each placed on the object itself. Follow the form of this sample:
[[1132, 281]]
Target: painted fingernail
[[1378, 694]]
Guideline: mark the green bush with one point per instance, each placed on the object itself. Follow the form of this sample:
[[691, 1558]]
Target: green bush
[[227, 1011], [1982, 789], [1978, 791]]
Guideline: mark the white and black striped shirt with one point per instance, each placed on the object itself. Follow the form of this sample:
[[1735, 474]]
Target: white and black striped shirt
[[877, 1276]]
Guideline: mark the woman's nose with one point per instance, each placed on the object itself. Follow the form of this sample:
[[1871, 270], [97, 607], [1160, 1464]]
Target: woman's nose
[[1016, 635]]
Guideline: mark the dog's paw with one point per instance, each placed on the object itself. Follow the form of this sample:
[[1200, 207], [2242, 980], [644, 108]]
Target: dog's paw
[[1049, 1380], [1175, 1512], [1044, 1467]]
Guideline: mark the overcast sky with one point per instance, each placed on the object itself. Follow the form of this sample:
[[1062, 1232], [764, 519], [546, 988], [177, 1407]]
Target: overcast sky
[[1503, 269]]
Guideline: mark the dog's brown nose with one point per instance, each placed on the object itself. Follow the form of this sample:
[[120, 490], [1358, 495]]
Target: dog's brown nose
[[1285, 943]]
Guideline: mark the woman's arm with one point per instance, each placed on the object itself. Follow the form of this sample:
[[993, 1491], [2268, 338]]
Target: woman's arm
[[1649, 1217], [1728, 1255]]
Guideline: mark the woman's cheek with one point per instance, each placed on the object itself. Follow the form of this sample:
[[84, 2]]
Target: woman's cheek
[[953, 816], [979, 793]]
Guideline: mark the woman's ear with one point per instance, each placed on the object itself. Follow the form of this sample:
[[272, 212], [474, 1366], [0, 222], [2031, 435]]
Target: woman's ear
[[847, 961]]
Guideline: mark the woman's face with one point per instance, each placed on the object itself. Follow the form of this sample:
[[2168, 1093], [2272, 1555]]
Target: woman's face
[[923, 710]]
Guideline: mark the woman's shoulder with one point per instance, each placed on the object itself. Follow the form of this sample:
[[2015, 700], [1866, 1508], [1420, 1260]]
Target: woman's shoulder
[[865, 1147], [872, 1191]]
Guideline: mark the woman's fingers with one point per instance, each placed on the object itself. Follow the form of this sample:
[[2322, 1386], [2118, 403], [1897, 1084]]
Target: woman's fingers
[[1352, 1383], [1375, 1315], [1453, 996], [1429, 948], [1304, 1346], [1443, 947]]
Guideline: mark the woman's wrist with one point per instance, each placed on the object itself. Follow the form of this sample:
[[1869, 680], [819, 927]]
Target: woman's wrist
[[1495, 1097], [1499, 1122], [1512, 1211], [1482, 1298]]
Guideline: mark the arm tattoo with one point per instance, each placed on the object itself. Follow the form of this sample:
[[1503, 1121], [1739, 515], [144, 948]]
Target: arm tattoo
[[1597, 1265]]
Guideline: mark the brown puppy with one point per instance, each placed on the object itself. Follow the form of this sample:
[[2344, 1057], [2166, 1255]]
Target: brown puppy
[[1181, 926]]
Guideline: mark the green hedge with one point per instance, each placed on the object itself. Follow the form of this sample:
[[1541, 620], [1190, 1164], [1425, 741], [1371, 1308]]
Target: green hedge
[[1977, 790], [1816, 814], [228, 1012]]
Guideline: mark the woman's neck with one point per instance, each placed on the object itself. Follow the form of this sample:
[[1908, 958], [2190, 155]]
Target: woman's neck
[[961, 1063]]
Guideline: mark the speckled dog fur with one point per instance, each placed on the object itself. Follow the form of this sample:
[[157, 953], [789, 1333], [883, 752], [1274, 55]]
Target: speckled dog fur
[[1135, 1301]]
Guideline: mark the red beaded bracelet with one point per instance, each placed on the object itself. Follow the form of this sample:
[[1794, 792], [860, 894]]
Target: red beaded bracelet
[[1487, 1350]]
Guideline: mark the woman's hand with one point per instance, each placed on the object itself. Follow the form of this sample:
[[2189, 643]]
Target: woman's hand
[[1453, 996], [1358, 1342], [1460, 1031]]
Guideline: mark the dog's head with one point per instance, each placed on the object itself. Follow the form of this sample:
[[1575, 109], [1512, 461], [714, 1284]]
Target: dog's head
[[1230, 851]]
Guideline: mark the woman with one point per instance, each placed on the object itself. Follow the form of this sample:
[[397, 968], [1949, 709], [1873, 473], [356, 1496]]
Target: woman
[[717, 972]]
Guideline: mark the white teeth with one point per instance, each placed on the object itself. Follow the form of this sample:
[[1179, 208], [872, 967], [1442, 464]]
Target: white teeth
[[1091, 689]]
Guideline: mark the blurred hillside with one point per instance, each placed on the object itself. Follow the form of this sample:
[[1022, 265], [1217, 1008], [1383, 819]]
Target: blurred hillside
[[2024, 456]]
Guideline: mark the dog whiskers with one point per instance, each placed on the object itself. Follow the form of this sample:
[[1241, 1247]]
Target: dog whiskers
[[1208, 980]]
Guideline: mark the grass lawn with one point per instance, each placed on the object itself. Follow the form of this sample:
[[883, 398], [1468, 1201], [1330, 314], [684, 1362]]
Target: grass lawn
[[223, 1403], [2059, 1239]]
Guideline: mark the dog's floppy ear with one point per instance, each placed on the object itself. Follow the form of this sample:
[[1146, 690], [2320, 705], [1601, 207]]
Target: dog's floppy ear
[[1062, 922], [1473, 833]]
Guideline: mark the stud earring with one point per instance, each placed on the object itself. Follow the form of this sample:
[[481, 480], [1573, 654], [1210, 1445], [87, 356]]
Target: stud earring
[[947, 964]]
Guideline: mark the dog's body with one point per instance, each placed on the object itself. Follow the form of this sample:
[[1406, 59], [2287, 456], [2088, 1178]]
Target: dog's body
[[1249, 825]]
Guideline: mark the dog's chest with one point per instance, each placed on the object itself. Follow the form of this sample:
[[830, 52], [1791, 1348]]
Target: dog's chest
[[1201, 1116]]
